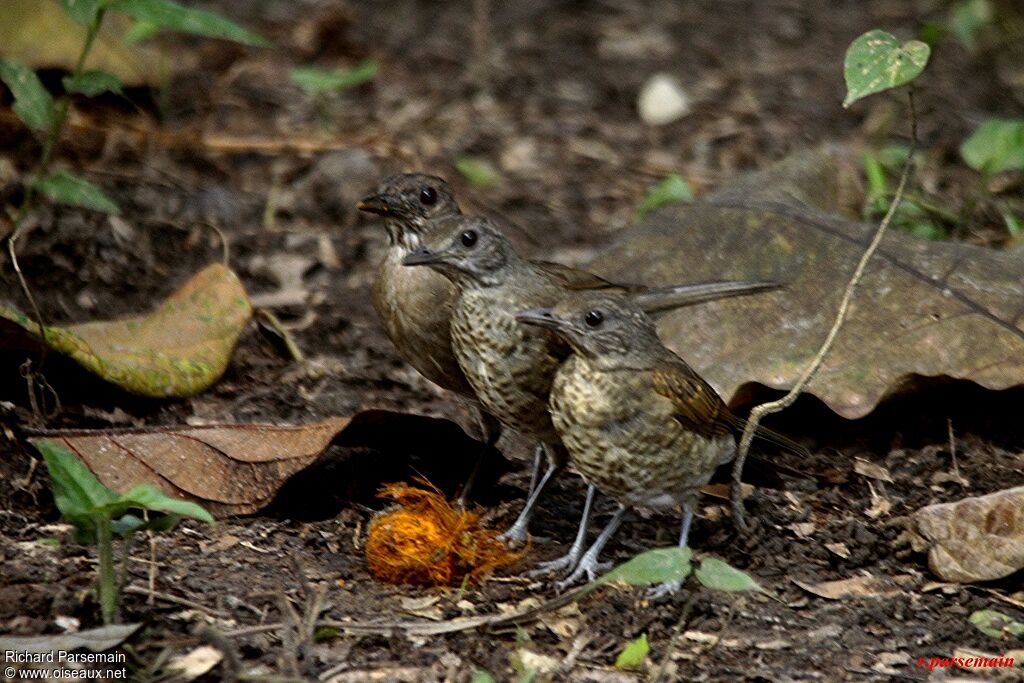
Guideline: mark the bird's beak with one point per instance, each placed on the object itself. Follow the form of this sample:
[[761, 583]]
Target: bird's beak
[[375, 203], [540, 317], [422, 257]]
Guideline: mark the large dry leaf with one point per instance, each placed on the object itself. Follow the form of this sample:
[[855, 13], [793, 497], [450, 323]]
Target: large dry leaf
[[975, 539], [229, 469], [38, 33], [179, 349], [932, 309]]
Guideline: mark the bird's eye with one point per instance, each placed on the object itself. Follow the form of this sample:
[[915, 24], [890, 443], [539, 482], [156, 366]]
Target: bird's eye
[[468, 238], [593, 318], [428, 196]]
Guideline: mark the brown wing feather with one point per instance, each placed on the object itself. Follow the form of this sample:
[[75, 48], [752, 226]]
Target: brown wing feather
[[576, 279], [697, 406]]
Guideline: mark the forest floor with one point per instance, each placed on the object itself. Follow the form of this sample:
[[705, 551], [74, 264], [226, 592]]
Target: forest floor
[[546, 93]]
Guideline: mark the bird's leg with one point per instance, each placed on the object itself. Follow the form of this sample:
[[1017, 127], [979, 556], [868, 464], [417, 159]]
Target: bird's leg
[[538, 455], [569, 560], [588, 565], [518, 532], [669, 587], [490, 432]]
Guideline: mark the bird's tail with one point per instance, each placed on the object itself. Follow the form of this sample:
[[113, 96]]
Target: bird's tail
[[662, 299]]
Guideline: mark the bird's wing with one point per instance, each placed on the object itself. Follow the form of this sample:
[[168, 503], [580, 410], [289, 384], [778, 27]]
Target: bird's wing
[[696, 406], [576, 279]]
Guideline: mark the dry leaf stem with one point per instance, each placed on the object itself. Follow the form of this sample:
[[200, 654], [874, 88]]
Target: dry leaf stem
[[760, 411]]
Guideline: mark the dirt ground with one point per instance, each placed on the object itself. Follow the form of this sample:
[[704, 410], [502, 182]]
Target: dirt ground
[[545, 91]]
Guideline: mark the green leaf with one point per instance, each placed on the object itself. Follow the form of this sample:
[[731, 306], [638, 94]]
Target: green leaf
[[653, 567], [478, 172], [170, 15], [145, 497], [32, 103], [1013, 224], [876, 61], [968, 18], [874, 171], [996, 624], [76, 491], [634, 654], [93, 83], [139, 31], [325, 633], [996, 146], [68, 188], [322, 80], [81, 11], [481, 676], [672, 190], [719, 576]]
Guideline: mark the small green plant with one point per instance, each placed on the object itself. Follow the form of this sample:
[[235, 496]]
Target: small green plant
[[634, 655], [98, 514], [665, 565], [316, 80], [478, 172], [672, 190], [997, 625], [47, 116], [918, 214]]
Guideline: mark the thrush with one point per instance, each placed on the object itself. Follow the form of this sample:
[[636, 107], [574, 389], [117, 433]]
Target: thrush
[[415, 304], [639, 424], [510, 366]]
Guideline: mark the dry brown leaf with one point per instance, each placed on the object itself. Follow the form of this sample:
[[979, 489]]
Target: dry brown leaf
[[867, 468], [229, 469], [857, 587], [923, 308], [975, 539]]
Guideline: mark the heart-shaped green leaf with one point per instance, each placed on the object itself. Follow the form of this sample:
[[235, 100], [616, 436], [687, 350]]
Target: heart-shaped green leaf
[[657, 566], [672, 190], [876, 61]]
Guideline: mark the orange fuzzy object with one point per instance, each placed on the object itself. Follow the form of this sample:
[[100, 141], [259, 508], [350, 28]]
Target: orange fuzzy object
[[426, 541]]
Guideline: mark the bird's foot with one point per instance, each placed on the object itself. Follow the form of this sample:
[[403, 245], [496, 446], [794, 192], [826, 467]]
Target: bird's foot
[[588, 567], [564, 563], [516, 535], [664, 589]]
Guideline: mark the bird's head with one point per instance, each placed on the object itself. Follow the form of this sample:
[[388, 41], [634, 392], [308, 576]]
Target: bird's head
[[409, 202], [601, 326], [466, 250]]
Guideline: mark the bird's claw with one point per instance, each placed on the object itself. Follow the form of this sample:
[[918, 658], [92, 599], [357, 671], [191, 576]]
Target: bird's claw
[[664, 589], [588, 568], [564, 563]]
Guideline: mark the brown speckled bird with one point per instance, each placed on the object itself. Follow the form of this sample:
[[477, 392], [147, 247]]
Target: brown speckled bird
[[415, 304], [639, 423], [511, 366]]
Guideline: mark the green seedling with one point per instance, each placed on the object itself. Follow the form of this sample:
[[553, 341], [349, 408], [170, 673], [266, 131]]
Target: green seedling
[[98, 514]]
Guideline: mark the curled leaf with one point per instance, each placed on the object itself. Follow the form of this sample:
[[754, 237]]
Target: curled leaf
[[720, 576], [179, 349], [32, 102], [71, 189], [977, 538], [634, 655]]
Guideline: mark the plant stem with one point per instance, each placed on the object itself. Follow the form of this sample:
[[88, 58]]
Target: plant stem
[[63, 107], [107, 580]]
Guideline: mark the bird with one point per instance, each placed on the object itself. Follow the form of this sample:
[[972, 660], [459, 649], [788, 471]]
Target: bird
[[415, 304], [510, 366], [638, 422]]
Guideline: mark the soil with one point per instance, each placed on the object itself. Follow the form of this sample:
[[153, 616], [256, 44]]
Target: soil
[[545, 91]]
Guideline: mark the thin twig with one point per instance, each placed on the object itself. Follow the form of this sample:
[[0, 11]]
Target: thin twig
[[764, 409]]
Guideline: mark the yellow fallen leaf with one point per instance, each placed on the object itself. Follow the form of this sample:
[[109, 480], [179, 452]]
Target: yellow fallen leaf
[[179, 349]]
